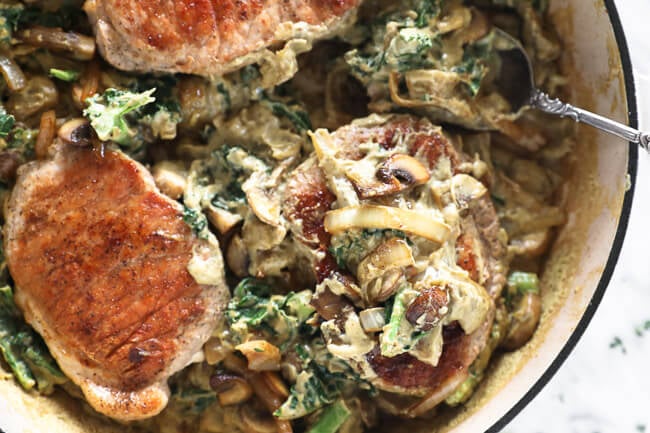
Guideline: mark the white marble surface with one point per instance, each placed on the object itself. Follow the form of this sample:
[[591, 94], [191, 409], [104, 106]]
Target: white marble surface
[[603, 389]]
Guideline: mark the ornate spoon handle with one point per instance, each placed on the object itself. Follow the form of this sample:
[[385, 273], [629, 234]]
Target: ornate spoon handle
[[545, 103]]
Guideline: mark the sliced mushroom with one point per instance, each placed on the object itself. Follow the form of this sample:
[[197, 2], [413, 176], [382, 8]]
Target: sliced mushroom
[[384, 286], [420, 223], [261, 355], [9, 163], [80, 47], [395, 174], [256, 421], [380, 272], [234, 362], [394, 253], [12, 74], [531, 245], [456, 19], [38, 94], [215, 351], [237, 256], [231, 389], [261, 236], [524, 321], [269, 397], [77, 131], [222, 219], [428, 308], [329, 305], [465, 189], [264, 203], [404, 170], [477, 28], [343, 285], [275, 383], [169, 177]]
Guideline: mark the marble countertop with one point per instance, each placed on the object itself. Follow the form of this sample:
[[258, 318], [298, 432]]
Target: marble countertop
[[604, 385]]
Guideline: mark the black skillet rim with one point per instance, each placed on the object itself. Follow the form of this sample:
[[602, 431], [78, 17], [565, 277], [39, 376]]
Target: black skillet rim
[[633, 155]]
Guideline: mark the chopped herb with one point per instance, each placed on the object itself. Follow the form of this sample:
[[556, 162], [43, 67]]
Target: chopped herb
[[108, 114], [196, 220], [365, 65], [249, 73], [617, 342], [23, 139], [164, 114], [278, 317], [9, 21], [318, 386], [473, 66], [193, 400], [639, 330], [24, 351], [410, 50], [299, 118], [225, 94], [426, 10], [64, 75], [7, 122], [163, 92], [230, 174]]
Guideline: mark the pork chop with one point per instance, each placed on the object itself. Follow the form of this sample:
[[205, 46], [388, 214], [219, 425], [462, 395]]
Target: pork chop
[[100, 261], [204, 37], [479, 250]]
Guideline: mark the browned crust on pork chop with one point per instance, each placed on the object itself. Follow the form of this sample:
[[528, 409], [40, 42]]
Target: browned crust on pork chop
[[99, 258], [202, 36]]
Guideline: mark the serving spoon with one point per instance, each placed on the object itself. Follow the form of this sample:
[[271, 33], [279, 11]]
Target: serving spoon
[[517, 84]]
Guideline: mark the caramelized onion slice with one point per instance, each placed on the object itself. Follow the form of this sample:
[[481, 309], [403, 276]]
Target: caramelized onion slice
[[46, 134], [385, 217]]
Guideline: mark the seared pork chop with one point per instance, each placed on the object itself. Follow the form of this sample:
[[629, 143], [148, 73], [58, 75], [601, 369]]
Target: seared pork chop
[[100, 261], [479, 250], [204, 37]]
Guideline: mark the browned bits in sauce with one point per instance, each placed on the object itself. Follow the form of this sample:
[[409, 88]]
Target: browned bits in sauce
[[465, 257]]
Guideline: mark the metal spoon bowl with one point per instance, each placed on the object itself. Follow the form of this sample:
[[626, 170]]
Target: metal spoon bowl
[[517, 84]]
